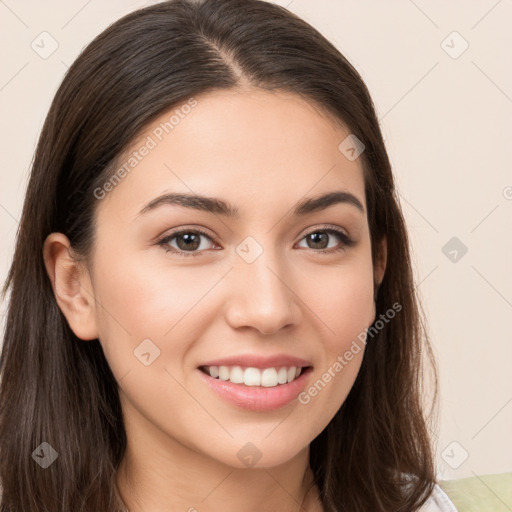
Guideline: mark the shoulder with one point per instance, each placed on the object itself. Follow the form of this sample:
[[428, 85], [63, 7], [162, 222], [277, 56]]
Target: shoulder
[[438, 502]]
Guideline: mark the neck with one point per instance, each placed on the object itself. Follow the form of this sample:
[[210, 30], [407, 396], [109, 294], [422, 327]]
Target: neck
[[159, 474]]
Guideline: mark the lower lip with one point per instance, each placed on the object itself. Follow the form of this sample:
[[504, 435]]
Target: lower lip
[[257, 398]]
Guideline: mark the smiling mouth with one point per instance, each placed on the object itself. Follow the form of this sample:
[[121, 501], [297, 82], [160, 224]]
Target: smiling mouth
[[250, 376]]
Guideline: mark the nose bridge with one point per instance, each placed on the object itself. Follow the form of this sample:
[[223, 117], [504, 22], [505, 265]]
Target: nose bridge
[[261, 295]]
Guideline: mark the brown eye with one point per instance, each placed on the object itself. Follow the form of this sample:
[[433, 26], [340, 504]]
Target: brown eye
[[320, 239], [187, 241]]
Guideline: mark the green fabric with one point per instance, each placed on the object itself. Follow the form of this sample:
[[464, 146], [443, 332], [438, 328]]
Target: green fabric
[[486, 493]]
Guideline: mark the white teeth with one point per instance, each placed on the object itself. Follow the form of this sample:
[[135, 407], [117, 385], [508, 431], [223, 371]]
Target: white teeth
[[268, 377], [282, 376], [223, 373], [237, 375], [252, 377]]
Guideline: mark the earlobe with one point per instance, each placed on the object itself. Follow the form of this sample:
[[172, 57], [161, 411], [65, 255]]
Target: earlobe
[[71, 285]]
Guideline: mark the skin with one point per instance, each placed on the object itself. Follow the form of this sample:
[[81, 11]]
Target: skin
[[263, 152]]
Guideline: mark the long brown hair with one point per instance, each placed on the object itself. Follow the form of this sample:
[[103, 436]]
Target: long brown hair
[[375, 454]]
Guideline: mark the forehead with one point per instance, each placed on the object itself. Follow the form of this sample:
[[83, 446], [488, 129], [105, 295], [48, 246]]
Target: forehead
[[239, 144]]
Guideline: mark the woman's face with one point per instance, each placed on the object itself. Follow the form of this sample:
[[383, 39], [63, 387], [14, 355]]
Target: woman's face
[[267, 286]]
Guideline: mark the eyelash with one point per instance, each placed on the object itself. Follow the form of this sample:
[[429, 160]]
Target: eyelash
[[346, 241]]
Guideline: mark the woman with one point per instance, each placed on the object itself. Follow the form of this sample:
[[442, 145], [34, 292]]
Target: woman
[[212, 304]]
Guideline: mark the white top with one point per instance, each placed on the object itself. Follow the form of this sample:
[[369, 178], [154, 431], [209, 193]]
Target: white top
[[438, 502]]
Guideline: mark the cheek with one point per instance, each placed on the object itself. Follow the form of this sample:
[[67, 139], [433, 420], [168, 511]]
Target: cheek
[[345, 307], [138, 302], [344, 303]]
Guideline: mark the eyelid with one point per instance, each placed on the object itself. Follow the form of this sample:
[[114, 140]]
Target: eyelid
[[325, 227], [187, 229]]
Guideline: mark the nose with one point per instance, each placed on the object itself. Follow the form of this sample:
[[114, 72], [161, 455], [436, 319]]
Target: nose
[[261, 296]]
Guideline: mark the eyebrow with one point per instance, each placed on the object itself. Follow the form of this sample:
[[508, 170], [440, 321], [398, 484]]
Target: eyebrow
[[221, 207]]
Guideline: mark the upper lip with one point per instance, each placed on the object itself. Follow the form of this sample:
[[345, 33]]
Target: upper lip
[[259, 361]]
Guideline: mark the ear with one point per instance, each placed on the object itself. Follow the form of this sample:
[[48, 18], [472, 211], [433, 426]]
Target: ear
[[379, 266], [71, 285]]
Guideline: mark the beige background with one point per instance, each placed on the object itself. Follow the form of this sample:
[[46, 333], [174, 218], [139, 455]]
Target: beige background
[[446, 117]]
